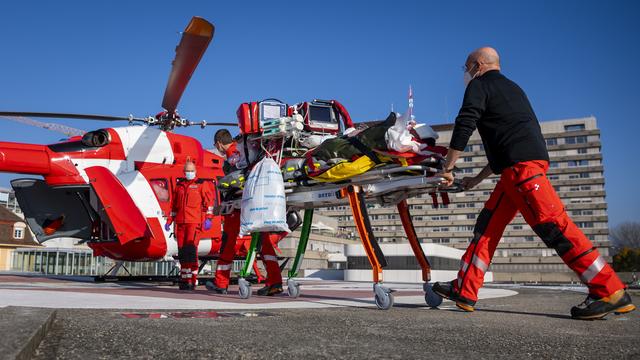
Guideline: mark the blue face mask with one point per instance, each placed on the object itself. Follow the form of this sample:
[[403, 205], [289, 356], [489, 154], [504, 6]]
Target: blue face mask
[[190, 175]]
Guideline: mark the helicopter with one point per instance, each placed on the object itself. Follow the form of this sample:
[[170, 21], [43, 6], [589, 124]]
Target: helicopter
[[112, 187]]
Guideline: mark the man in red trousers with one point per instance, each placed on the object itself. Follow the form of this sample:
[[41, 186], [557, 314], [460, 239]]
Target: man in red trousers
[[516, 150], [231, 229]]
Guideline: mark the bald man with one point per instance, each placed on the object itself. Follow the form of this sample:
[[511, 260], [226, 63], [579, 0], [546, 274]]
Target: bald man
[[192, 211], [516, 150]]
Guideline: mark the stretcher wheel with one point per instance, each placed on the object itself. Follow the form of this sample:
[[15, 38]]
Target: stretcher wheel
[[293, 288], [244, 289], [430, 297], [384, 302], [384, 298]]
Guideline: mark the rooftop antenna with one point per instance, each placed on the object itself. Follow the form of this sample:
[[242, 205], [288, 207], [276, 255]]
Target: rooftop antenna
[[411, 117]]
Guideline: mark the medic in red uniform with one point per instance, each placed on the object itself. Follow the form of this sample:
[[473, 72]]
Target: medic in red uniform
[[516, 150], [231, 229], [191, 210]]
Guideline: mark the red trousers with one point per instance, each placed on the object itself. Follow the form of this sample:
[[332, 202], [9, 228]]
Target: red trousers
[[188, 239], [231, 229], [524, 187]]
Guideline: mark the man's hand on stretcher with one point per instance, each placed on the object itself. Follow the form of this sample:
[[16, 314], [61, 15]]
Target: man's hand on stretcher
[[466, 183]]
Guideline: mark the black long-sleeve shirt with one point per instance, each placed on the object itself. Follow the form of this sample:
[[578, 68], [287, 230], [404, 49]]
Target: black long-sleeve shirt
[[500, 110]]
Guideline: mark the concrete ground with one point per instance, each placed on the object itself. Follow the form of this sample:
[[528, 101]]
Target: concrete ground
[[78, 319]]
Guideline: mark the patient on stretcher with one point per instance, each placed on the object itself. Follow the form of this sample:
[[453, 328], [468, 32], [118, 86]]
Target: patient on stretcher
[[392, 141]]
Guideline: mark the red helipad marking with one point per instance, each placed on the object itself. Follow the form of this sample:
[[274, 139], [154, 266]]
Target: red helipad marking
[[193, 315], [6, 278]]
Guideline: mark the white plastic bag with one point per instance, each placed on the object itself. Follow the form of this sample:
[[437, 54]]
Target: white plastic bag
[[263, 201], [399, 138]]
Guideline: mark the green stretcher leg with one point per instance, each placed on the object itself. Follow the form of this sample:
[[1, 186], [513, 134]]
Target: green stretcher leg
[[302, 244], [251, 255]]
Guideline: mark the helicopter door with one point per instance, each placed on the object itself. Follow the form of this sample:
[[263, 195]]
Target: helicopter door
[[125, 217], [54, 212]]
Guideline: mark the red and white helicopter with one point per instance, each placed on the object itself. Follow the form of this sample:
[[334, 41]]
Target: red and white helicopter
[[112, 187]]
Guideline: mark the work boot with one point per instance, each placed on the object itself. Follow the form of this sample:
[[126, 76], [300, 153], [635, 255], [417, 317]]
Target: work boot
[[590, 309], [186, 286], [446, 290], [211, 286], [270, 290]]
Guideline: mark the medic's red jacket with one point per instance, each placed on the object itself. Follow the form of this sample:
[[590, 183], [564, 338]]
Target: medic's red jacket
[[192, 202]]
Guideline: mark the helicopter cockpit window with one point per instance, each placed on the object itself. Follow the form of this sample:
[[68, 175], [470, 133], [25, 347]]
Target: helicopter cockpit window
[[97, 138], [161, 188]]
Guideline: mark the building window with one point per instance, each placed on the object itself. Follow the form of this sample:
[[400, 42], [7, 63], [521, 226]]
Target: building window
[[553, 164], [582, 151], [468, 148], [584, 175], [471, 216], [552, 141], [18, 233], [574, 163], [575, 127], [575, 140], [468, 159], [517, 227], [584, 224], [468, 170]]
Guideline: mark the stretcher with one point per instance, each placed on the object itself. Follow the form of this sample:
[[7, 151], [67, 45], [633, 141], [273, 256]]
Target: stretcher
[[351, 170], [390, 184]]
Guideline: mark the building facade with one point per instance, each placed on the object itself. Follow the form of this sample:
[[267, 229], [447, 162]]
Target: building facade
[[13, 234], [576, 171], [8, 200]]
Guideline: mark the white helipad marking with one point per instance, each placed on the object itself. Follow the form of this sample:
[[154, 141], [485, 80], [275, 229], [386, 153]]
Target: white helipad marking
[[81, 300]]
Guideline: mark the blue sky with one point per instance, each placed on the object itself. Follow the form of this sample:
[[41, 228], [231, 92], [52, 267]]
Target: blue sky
[[573, 58]]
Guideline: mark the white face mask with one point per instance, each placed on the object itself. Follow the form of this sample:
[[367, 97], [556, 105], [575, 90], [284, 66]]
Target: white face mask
[[190, 175], [467, 77]]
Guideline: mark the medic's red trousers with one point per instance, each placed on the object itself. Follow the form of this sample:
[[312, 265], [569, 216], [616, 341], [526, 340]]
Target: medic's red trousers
[[188, 239], [231, 229], [524, 187]]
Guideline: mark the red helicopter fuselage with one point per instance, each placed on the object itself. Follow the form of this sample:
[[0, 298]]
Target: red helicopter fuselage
[[113, 187]]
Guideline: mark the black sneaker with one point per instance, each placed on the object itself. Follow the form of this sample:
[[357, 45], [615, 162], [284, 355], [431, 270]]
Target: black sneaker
[[619, 302], [211, 286], [445, 289], [270, 290], [186, 286]]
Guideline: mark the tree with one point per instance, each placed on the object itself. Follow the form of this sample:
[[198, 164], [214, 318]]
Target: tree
[[626, 234], [627, 260]]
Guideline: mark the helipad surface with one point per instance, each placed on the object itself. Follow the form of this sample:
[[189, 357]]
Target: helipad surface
[[82, 293]]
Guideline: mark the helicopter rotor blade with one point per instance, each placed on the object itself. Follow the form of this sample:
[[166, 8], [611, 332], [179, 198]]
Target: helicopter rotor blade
[[205, 123], [72, 116], [194, 42]]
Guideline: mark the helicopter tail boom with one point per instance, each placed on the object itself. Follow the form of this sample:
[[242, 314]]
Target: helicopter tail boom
[[24, 159]]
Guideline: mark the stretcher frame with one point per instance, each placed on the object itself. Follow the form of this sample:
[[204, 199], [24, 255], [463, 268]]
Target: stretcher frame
[[385, 185]]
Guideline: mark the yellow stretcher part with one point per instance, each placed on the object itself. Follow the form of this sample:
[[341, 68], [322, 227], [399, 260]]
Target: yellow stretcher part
[[349, 169]]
